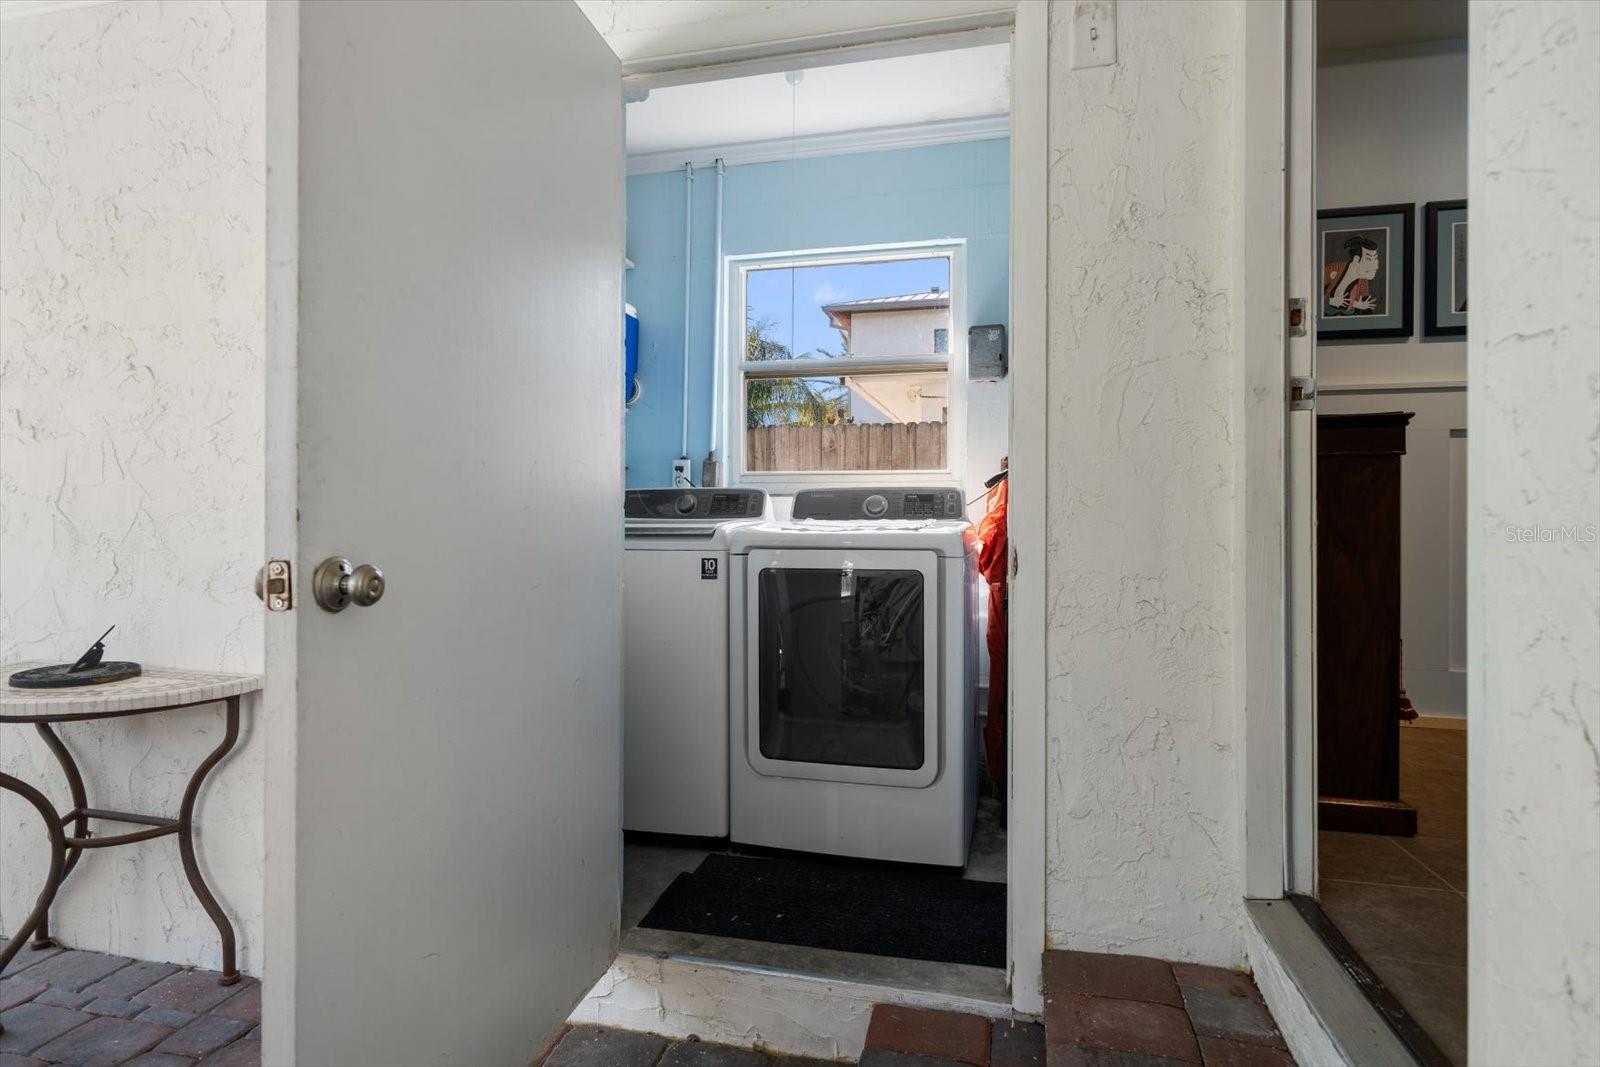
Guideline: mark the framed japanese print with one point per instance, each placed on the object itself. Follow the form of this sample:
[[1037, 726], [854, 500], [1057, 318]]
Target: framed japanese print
[[1444, 270], [1364, 255]]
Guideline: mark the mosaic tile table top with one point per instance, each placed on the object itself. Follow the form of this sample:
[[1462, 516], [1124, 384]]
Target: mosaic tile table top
[[157, 687]]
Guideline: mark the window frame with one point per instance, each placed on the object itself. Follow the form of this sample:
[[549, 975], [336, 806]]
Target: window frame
[[735, 269]]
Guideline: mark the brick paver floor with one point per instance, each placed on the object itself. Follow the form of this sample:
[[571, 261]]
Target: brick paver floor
[[87, 1009], [600, 1046], [1104, 1009]]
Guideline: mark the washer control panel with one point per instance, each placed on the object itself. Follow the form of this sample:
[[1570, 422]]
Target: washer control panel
[[873, 503], [694, 505]]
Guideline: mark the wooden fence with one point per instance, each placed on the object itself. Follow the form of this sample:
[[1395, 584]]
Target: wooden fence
[[860, 446]]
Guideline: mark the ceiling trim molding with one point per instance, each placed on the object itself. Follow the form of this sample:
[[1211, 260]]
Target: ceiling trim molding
[[1414, 50], [877, 139], [852, 46], [21, 9]]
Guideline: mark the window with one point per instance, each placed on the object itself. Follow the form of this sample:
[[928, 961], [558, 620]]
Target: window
[[842, 362]]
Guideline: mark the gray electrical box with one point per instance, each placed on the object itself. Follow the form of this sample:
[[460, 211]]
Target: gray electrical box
[[986, 353]]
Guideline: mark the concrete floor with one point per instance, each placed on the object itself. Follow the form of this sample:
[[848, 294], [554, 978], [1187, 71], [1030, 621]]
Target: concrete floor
[[649, 867], [1402, 901]]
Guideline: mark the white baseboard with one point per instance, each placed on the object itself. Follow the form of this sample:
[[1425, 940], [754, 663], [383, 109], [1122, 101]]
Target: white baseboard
[[1437, 722]]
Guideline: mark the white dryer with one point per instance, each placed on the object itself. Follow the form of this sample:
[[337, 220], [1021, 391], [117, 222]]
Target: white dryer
[[853, 677], [675, 656]]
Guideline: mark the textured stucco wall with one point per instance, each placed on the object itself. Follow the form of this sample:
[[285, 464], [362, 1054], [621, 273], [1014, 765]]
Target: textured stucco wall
[[1534, 459], [1142, 831], [131, 470]]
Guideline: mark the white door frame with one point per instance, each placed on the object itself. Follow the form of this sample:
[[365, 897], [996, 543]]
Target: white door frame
[[1027, 506], [1030, 52], [1303, 280], [279, 703], [1260, 418]]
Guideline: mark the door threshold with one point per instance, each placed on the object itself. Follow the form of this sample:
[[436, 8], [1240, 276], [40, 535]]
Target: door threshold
[[756, 1004], [966, 982], [1325, 1016], [1395, 1015]]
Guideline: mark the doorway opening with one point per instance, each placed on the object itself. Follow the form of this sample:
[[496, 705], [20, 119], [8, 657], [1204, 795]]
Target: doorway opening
[[818, 289], [1390, 510]]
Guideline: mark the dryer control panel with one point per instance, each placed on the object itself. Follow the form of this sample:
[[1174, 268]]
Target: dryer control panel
[[873, 503], [694, 505]]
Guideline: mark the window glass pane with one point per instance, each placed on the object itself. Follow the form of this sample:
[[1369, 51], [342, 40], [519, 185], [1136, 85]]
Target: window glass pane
[[882, 308], [841, 667], [941, 341], [870, 422]]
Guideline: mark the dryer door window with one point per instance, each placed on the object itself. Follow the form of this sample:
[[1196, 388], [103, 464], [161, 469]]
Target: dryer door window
[[842, 667]]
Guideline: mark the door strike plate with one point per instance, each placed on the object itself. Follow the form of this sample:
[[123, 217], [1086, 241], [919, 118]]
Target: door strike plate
[[1297, 317], [275, 585], [1302, 394]]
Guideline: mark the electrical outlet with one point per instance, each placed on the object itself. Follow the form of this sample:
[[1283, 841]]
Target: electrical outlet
[[1094, 33], [680, 473]]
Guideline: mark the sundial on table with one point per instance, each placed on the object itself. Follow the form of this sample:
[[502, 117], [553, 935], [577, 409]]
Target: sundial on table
[[88, 670]]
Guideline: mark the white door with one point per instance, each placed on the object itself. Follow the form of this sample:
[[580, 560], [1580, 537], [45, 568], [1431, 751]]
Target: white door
[[445, 208]]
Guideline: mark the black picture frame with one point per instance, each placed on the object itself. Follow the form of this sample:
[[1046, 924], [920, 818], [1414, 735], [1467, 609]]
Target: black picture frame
[[1401, 217], [1433, 273]]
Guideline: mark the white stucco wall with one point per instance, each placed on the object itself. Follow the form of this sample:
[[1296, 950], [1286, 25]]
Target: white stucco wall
[[1534, 461], [131, 384], [1142, 831]]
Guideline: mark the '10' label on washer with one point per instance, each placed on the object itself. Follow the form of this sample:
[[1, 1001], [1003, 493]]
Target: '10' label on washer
[[708, 568]]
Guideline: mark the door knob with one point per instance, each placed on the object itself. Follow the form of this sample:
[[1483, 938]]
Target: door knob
[[336, 584]]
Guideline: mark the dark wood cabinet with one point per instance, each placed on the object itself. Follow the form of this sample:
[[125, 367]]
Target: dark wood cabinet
[[1358, 623]]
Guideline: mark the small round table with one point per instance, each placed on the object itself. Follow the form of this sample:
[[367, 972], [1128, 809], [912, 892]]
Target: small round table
[[158, 689]]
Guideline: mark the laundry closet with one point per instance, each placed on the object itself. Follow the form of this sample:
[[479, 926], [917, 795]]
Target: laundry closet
[[816, 432]]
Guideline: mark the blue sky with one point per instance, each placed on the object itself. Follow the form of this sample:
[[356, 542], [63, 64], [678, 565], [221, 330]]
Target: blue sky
[[773, 294]]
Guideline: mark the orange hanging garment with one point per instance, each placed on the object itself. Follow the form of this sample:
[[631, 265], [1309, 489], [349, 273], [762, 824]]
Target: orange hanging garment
[[993, 560]]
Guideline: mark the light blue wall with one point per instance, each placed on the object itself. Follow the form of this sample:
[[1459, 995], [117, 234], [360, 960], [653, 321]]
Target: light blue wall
[[911, 194]]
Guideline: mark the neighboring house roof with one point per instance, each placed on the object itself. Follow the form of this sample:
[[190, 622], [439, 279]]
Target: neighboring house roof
[[839, 313]]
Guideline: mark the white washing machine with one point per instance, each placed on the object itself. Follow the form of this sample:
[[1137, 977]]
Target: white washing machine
[[675, 656], [854, 666]]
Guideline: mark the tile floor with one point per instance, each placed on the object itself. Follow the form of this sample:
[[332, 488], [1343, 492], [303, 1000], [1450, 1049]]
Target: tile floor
[[86, 1009], [649, 866], [1402, 902]]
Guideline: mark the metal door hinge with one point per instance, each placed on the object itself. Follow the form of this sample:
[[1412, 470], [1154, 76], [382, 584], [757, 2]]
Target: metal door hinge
[[1297, 317], [1302, 394], [275, 585]]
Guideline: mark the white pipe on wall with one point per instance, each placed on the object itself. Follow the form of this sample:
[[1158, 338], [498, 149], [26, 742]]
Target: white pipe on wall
[[718, 344], [688, 236]]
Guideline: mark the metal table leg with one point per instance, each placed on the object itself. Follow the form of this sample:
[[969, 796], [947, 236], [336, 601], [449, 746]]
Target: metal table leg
[[58, 859], [80, 823], [230, 971]]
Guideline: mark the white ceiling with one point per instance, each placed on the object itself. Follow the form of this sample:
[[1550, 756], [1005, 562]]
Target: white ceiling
[[1347, 25], [652, 29], [900, 91]]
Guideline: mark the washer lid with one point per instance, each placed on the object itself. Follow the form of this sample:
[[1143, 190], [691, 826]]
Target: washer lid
[[945, 537]]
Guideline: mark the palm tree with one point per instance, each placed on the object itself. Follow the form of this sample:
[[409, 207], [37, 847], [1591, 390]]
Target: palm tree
[[788, 401]]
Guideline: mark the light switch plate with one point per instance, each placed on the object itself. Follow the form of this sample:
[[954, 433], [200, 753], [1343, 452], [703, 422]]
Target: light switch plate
[[1094, 33]]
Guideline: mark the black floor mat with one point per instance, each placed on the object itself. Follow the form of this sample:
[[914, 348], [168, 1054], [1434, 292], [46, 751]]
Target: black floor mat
[[880, 910]]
